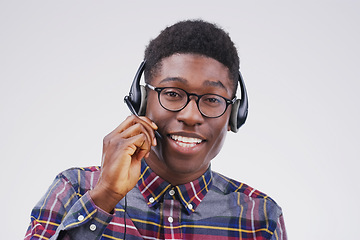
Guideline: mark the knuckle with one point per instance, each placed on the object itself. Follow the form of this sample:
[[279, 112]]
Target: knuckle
[[133, 119], [130, 117], [106, 139], [110, 141]]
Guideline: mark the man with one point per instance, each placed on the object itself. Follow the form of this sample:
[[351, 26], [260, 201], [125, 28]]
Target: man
[[155, 180]]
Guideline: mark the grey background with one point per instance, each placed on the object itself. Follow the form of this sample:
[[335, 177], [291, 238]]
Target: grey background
[[66, 66]]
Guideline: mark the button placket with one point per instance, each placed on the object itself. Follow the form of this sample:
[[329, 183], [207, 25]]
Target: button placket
[[190, 206], [92, 227], [172, 192], [171, 213]]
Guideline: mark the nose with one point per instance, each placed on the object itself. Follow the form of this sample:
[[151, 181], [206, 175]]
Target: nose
[[190, 115]]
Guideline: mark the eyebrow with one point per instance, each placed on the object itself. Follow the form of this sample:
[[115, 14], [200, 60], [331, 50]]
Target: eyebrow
[[214, 84], [174, 79], [182, 80]]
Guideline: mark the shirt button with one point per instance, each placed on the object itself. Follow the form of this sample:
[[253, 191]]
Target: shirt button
[[170, 219], [172, 192], [151, 200], [80, 217], [190, 206], [92, 227]]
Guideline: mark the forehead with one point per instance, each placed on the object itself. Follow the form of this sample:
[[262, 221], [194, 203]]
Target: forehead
[[193, 72]]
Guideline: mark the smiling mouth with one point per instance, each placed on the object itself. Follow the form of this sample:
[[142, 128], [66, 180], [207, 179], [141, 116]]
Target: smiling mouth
[[186, 142]]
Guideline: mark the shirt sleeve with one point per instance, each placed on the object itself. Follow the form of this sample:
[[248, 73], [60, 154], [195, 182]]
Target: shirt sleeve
[[64, 213], [280, 231]]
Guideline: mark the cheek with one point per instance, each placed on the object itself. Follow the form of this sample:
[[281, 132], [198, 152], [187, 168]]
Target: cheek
[[219, 142], [219, 136], [151, 109], [154, 111]]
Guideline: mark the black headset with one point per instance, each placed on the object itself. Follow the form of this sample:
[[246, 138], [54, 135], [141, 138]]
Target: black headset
[[136, 101]]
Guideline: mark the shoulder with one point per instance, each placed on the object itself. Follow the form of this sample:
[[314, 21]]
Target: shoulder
[[81, 178], [230, 186], [239, 198], [248, 202], [76, 172]]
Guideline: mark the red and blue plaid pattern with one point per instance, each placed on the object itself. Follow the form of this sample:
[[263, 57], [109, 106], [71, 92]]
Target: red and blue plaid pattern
[[189, 194], [211, 207]]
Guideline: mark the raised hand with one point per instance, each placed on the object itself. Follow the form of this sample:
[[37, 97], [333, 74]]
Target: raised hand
[[123, 150]]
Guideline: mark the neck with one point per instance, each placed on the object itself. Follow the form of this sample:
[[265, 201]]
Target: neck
[[170, 172]]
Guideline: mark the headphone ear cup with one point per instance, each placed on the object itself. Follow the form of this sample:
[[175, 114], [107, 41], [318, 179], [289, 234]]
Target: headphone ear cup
[[242, 113], [239, 109], [233, 121], [143, 101]]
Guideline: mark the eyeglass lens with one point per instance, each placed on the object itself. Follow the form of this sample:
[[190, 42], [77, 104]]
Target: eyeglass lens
[[175, 99]]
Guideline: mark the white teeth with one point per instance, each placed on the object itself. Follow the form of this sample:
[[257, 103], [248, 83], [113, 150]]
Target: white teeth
[[186, 145], [186, 140]]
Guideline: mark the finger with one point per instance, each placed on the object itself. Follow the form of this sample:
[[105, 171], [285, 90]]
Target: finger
[[154, 128], [119, 146], [136, 129], [150, 126], [134, 142], [131, 120], [124, 125], [150, 122], [136, 147]]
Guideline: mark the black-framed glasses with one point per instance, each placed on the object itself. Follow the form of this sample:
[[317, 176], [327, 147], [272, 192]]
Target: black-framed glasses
[[176, 99]]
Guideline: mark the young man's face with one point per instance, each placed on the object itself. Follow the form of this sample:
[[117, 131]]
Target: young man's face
[[189, 140]]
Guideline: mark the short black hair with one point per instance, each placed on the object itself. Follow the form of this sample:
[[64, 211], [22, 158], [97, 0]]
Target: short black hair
[[192, 36]]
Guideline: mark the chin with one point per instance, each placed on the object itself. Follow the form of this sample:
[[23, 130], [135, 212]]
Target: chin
[[181, 166]]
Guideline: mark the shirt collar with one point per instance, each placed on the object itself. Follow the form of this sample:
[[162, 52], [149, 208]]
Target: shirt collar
[[154, 189]]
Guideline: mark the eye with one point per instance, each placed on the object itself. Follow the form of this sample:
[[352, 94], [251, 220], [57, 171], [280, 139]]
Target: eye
[[172, 94], [212, 100]]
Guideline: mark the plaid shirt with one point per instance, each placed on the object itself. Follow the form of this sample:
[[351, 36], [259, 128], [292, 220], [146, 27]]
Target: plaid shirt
[[211, 207]]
